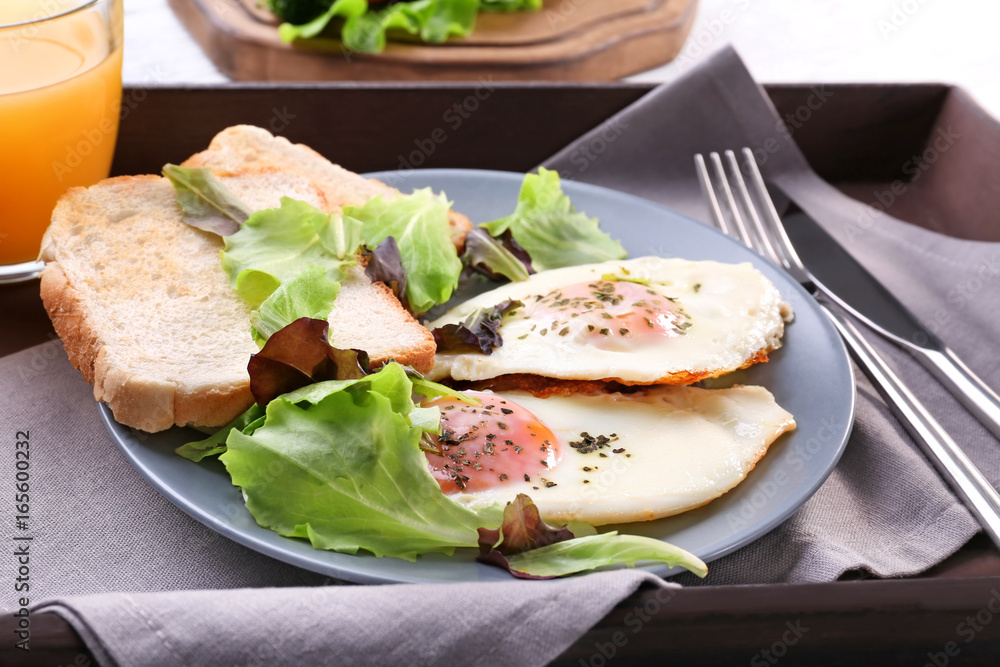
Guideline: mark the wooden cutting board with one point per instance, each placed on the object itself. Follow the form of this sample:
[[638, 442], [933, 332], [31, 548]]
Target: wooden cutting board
[[592, 40]]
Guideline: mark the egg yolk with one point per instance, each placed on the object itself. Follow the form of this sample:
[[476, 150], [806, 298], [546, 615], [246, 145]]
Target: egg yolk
[[482, 447], [609, 314]]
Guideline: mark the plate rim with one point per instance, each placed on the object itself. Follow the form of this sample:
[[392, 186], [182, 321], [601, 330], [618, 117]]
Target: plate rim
[[361, 575]]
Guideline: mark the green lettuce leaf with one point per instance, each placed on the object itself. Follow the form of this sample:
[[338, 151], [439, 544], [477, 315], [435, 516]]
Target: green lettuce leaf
[[276, 245], [346, 9], [553, 232], [365, 30], [310, 294], [509, 5], [593, 551], [298, 11], [419, 223], [338, 463], [207, 203], [216, 443], [440, 19]]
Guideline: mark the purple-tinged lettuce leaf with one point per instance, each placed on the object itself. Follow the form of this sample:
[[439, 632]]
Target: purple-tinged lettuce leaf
[[522, 530], [496, 258], [300, 355], [529, 548], [207, 204], [386, 266], [479, 331]]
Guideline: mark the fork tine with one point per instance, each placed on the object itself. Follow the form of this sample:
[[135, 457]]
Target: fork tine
[[772, 221], [757, 231], [715, 211], [741, 228]]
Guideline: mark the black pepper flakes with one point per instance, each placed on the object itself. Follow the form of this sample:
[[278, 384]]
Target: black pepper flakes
[[623, 331], [506, 411], [589, 443]]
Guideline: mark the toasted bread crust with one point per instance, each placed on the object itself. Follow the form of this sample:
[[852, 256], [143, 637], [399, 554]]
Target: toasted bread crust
[[252, 147], [142, 403], [419, 355]]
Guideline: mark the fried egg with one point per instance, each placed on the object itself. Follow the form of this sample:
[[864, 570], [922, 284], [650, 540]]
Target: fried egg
[[604, 458], [648, 320]]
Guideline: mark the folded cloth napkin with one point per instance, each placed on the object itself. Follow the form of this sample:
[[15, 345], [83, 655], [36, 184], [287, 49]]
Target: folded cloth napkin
[[516, 623], [98, 527]]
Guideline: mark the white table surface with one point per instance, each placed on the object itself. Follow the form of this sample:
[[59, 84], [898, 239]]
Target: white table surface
[[782, 41]]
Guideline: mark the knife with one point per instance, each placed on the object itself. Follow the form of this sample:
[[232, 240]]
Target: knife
[[861, 294]]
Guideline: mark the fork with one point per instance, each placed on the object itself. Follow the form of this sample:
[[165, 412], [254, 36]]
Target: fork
[[759, 227]]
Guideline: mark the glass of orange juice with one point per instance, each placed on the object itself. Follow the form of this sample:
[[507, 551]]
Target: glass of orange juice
[[60, 96]]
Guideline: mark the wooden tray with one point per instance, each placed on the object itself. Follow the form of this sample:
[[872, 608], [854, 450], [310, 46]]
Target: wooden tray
[[858, 146], [566, 40]]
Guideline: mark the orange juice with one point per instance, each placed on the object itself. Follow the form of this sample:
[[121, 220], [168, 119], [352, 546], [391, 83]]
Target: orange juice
[[60, 95]]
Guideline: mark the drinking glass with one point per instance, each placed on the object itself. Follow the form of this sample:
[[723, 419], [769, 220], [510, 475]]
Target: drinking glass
[[60, 96]]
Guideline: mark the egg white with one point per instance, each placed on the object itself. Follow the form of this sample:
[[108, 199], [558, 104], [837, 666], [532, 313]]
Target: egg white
[[678, 448], [734, 311]]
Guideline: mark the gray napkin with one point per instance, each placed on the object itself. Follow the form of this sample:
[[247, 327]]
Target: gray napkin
[[884, 510], [516, 623]]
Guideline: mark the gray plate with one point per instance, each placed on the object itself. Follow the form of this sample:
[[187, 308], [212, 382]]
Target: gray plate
[[810, 376]]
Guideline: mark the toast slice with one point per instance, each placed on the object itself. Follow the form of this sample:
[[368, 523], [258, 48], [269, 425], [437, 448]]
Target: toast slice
[[249, 147], [147, 314], [143, 306]]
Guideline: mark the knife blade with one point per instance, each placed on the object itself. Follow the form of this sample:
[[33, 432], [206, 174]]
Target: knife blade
[[852, 283], [861, 294]]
